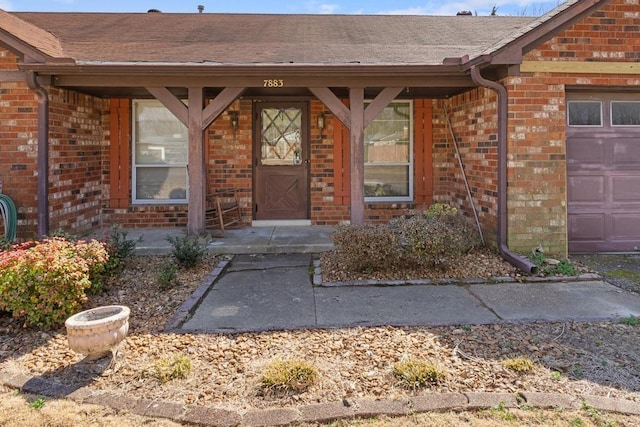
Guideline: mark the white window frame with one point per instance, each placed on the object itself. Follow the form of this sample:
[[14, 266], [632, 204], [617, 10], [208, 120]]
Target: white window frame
[[582, 101], [614, 101], [409, 198], [135, 166]]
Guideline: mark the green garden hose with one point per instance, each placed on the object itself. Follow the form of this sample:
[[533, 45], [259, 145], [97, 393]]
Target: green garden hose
[[9, 217]]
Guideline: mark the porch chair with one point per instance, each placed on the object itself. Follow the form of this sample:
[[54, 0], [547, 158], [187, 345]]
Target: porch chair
[[223, 209]]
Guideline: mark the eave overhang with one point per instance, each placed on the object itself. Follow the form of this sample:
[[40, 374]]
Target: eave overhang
[[127, 79]]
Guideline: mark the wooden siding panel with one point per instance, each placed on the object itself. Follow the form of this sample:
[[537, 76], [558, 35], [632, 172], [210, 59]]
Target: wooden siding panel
[[119, 153], [423, 152]]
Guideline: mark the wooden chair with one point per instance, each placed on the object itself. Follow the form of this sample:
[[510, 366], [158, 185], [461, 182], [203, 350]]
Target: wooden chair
[[223, 209]]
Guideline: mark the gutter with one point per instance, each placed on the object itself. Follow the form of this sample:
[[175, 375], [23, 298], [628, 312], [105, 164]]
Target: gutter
[[43, 153], [515, 259]]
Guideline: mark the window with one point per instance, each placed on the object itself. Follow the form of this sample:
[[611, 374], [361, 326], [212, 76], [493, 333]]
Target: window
[[160, 144], [388, 148], [584, 113], [625, 113]]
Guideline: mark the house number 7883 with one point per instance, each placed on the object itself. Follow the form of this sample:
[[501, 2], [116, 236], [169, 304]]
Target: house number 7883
[[273, 83]]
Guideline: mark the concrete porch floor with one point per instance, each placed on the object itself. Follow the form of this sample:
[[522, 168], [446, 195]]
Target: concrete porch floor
[[246, 240]]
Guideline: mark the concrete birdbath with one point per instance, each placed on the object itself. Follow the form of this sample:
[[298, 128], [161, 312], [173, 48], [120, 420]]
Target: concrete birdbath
[[97, 333]]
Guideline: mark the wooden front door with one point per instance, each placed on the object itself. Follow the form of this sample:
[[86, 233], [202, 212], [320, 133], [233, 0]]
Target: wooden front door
[[281, 161]]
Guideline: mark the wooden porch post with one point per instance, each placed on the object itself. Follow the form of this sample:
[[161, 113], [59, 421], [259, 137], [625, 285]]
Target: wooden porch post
[[356, 102], [196, 166], [197, 119], [356, 119]]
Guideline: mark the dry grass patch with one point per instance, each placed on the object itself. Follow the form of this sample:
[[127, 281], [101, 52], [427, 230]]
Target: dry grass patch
[[415, 373], [519, 364], [25, 410], [288, 375], [177, 367]]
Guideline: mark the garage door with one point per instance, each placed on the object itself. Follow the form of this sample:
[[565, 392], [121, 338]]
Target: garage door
[[603, 172]]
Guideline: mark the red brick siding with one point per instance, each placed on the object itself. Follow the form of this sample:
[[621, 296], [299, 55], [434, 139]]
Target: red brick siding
[[610, 34], [473, 117], [77, 156], [229, 155], [326, 208], [537, 167], [537, 140], [18, 146]]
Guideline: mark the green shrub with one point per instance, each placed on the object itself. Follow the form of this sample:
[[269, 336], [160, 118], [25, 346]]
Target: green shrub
[[45, 282], [550, 267], [288, 375], [120, 248], [368, 247], [415, 373], [630, 321], [437, 237], [167, 275], [187, 251], [566, 268]]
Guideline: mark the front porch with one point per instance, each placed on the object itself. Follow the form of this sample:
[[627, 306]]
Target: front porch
[[245, 240]]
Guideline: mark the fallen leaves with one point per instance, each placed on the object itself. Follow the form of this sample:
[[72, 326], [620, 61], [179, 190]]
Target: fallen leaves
[[352, 363]]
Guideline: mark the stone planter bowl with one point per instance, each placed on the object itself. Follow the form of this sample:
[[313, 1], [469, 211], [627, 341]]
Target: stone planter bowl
[[97, 331]]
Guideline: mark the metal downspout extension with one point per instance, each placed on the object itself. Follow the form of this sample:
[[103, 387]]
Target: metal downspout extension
[[515, 259], [43, 153], [464, 176]]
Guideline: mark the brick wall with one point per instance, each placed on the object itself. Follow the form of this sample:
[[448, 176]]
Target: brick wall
[[473, 118], [76, 155], [537, 139], [611, 34], [77, 158], [229, 162], [536, 165], [325, 207], [18, 147]]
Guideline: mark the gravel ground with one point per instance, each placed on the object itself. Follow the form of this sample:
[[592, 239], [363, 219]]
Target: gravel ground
[[619, 270], [572, 358]]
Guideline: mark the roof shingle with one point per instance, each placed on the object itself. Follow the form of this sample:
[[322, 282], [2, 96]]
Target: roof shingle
[[264, 39]]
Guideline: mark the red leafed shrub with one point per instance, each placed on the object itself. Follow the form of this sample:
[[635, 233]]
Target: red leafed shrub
[[45, 282]]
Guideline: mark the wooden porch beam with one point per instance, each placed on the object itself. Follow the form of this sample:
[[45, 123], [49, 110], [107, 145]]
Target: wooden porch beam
[[219, 104], [383, 99], [196, 163], [13, 76], [333, 103], [239, 81], [172, 103], [356, 131]]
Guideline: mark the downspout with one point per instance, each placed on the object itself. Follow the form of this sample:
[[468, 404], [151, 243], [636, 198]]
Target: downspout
[[43, 153], [515, 259]]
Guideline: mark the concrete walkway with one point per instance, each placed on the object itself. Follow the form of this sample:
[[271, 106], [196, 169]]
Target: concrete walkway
[[270, 292], [246, 240]]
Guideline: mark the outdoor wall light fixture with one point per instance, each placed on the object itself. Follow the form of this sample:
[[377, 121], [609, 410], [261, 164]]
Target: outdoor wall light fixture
[[320, 121], [233, 119]]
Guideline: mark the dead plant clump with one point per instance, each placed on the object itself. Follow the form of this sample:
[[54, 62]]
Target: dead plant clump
[[176, 367], [519, 364], [288, 376], [415, 373]]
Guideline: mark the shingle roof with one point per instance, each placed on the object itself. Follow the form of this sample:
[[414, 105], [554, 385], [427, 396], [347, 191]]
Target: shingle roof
[[36, 37], [267, 39]]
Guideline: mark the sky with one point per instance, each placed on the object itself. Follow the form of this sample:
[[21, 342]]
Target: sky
[[398, 7]]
